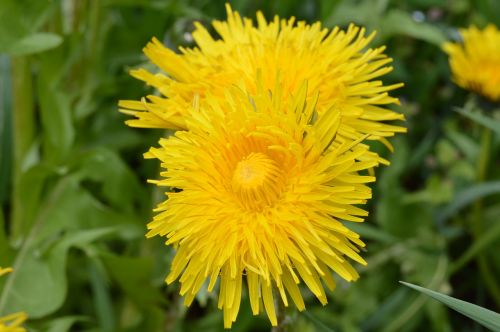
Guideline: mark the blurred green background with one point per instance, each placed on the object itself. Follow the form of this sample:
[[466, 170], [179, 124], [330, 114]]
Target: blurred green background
[[75, 200]]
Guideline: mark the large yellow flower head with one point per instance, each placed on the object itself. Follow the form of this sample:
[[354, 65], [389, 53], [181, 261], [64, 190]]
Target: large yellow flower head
[[335, 62], [475, 63], [259, 185], [12, 322]]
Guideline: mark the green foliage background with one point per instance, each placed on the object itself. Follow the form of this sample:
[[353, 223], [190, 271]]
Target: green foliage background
[[73, 185]]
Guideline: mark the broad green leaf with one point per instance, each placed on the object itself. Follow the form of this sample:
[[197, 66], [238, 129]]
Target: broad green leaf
[[19, 22], [63, 324], [349, 11], [480, 118], [38, 284], [485, 317], [35, 43], [466, 197], [400, 22]]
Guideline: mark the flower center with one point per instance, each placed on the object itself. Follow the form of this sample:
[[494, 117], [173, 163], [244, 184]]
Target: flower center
[[257, 181]]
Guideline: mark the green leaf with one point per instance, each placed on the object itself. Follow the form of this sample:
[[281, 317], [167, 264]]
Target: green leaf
[[6, 142], [480, 118], [368, 231], [102, 298], [349, 11], [46, 293], [31, 185], [468, 146], [466, 197], [20, 20], [484, 241], [4, 247], [55, 110], [118, 185], [63, 324], [67, 210], [133, 275], [485, 317], [400, 22], [35, 43]]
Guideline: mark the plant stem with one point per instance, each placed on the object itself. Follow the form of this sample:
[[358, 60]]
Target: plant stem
[[477, 220], [284, 321], [24, 130]]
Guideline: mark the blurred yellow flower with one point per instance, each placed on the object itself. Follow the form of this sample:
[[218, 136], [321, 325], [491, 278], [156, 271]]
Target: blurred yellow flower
[[258, 186], [12, 322], [475, 63], [335, 62], [5, 270]]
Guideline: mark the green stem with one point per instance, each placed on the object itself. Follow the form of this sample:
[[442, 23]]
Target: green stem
[[477, 220], [24, 130], [284, 320]]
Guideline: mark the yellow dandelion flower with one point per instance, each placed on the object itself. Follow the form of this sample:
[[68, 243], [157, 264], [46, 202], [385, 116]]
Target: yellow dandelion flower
[[258, 188], [335, 62], [5, 270], [12, 322], [475, 63]]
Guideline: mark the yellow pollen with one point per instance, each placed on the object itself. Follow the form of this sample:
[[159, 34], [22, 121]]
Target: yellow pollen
[[257, 181]]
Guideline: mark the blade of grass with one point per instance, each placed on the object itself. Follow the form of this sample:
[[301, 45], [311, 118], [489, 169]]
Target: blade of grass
[[483, 120], [481, 315], [466, 197], [479, 245]]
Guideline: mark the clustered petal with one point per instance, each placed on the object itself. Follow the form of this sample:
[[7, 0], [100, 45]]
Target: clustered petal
[[12, 322], [475, 63], [336, 63], [269, 163], [260, 189]]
